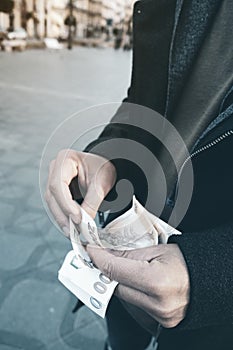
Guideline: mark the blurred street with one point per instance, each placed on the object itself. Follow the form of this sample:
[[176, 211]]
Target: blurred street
[[39, 89]]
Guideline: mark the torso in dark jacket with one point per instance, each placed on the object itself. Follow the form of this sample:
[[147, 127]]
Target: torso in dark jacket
[[183, 69]]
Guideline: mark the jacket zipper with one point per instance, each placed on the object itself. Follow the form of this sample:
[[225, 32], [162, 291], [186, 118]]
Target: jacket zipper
[[172, 201], [197, 152], [208, 146], [200, 150]]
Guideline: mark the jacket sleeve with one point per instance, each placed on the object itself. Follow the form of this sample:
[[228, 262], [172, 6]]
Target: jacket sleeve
[[112, 144], [208, 255], [114, 129], [120, 127]]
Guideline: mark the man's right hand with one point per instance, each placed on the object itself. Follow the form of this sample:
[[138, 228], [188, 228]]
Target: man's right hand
[[96, 177]]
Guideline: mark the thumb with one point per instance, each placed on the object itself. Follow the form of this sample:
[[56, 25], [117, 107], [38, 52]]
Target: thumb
[[93, 199], [143, 254]]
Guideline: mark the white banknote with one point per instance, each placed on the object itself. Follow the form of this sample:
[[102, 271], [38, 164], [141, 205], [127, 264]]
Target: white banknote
[[87, 283], [137, 228]]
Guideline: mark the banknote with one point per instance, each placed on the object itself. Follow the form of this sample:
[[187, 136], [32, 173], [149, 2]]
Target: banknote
[[137, 228], [87, 283]]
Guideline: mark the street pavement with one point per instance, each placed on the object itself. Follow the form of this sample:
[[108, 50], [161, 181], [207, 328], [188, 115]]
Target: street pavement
[[38, 90]]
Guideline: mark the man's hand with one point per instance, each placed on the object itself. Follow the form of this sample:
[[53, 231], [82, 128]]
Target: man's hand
[[155, 279], [96, 177]]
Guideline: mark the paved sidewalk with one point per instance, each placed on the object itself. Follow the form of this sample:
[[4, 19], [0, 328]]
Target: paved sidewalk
[[38, 90]]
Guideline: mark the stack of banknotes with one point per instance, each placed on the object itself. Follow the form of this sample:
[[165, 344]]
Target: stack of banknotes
[[135, 229]]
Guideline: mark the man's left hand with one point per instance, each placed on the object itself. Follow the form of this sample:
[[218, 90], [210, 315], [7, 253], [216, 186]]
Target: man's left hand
[[155, 279]]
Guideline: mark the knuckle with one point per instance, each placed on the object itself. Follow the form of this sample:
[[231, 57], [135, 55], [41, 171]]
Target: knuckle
[[61, 222], [160, 288], [66, 153], [108, 269], [170, 323], [166, 285], [166, 310], [53, 186], [63, 152], [153, 288]]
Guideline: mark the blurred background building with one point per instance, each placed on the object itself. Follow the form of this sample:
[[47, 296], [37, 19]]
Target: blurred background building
[[51, 18]]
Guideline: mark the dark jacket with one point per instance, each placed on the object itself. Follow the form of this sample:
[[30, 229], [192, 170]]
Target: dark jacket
[[183, 69]]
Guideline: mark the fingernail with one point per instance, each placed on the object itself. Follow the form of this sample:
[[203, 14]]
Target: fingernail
[[66, 231]]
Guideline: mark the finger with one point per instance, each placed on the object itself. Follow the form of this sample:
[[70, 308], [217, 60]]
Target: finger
[[63, 172], [137, 298], [123, 270], [59, 216], [150, 305], [68, 205], [92, 200], [102, 180]]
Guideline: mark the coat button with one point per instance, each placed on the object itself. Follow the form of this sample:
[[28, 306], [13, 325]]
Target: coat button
[[139, 11]]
